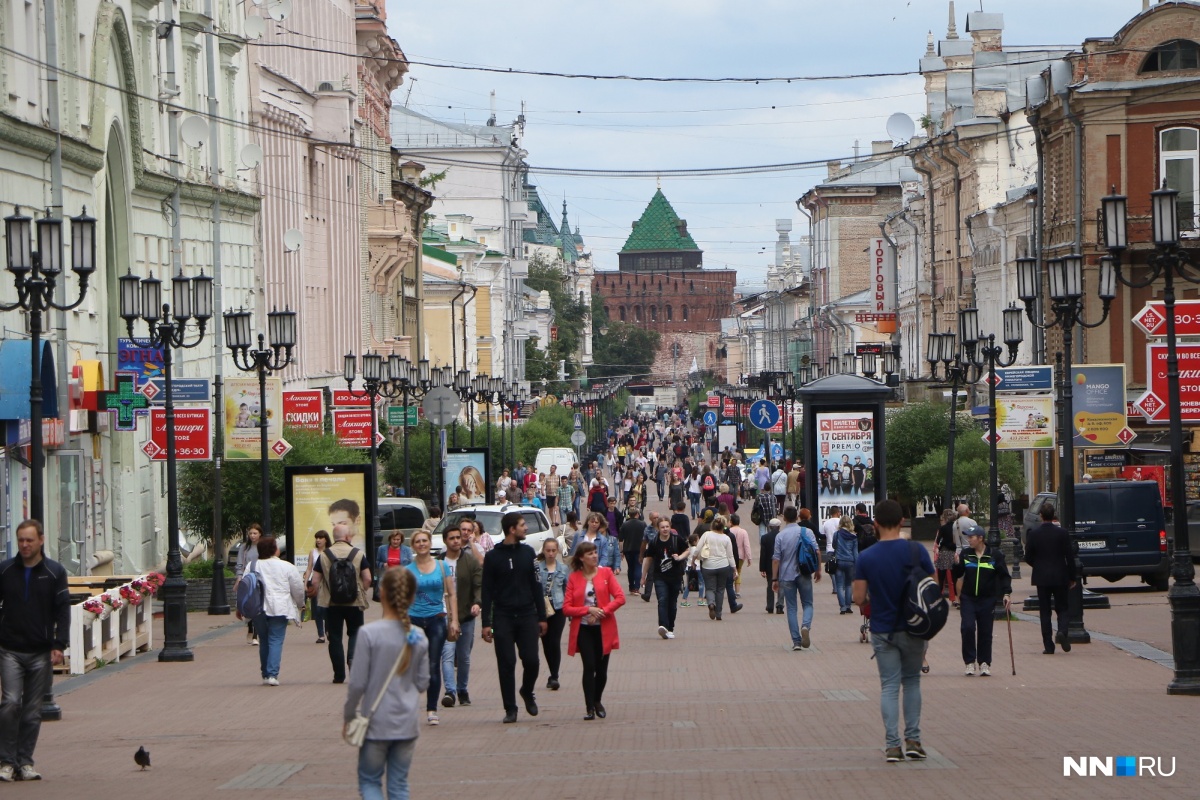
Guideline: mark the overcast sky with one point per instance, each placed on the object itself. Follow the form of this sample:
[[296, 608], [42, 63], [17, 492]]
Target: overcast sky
[[585, 123]]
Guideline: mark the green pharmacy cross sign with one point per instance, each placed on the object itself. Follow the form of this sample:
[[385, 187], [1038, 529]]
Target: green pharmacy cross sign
[[126, 401]]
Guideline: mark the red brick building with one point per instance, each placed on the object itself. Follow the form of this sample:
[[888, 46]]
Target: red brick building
[[661, 285]]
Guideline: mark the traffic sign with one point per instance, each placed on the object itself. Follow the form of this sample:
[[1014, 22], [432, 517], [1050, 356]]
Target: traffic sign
[[193, 434], [579, 438], [402, 416], [1152, 319], [578, 421], [281, 447], [441, 406], [764, 414], [1153, 402], [710, 418]]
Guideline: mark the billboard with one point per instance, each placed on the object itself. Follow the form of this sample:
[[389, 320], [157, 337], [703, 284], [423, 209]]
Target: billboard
[[318, 497], [304, 409], [1098, 406], [243, 410], [1153, 402], [466, 474], [1024, 422], [845, 460]]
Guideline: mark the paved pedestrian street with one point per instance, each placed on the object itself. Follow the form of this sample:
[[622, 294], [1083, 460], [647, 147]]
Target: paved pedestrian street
[[724, 710]]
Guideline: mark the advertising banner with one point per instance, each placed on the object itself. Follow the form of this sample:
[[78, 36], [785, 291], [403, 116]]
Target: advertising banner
[[883, 284], [1152, 319], [1098, 406], [344, 398], [134, 356], [352, 426], [193, 434], [1024, 422], [845, 460], [319, 497], [243, 410], [466, 474], [1153, 402], [304, 409]]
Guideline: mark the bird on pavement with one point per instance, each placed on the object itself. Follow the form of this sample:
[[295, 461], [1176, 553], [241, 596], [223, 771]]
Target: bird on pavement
[[142, 757]]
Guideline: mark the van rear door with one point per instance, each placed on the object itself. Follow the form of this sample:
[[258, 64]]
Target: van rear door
[[1137, 521], [1093, 527]]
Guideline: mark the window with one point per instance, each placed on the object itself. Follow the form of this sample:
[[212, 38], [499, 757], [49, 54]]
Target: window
[[670, 314], [654, 313], [637, 313], [1179, 160], [607, 313], [1173, 55], [622, 313], [685, 313]]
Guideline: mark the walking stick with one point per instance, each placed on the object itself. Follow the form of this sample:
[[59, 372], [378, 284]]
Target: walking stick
[[1011, 655]]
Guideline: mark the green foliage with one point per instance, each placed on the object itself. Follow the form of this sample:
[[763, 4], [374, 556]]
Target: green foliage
[[569, 317], [624, 350], [910, 434], [970, 472], [201, 568], [432, 179]]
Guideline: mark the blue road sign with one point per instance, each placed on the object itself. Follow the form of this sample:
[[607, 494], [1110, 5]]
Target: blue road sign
[[764, 414], [776, 450], [1025, 379], [710, 418]]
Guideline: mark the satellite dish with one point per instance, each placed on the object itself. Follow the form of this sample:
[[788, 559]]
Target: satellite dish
[[279, 10], [193, 131], [292, 239], [901, 128], [251, 156], [255, 27]]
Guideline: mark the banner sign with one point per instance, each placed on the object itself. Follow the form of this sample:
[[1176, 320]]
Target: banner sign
[[304, 409], [466, 475], [317, 498], [193, 434], [1024, 422], [352, 426], [183, 390], [343, 398], [144, 361], [845, 460], [1098, 406], [1107, 461], [1153, 402], [243, 410], [1152, 319], [1025, 379], [883, 271]]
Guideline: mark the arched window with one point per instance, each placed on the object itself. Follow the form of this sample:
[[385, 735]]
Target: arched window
[[654, 313], [1173, 55], [628, 290], [606, 312], [685, 313], [670, 314], [622, 313], [1179, 166], [691, 288], [637, 313]]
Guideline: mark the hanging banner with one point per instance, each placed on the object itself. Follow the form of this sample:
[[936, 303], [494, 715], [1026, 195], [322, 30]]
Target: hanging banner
[[243, 410], [883, 284], [1024, 422], [193, 434], [1098, 406], [1153, 402], [304, 409], [845, 460]]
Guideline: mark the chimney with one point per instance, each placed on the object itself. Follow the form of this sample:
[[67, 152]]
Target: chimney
[[881, 146], [833, 168], [410, 172]]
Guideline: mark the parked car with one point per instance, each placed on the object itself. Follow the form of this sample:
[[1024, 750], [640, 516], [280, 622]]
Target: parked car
[[1120, 527], [536, 522], [406, 514]]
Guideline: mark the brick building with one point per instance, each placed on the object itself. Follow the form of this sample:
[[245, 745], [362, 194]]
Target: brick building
[[661, 285]]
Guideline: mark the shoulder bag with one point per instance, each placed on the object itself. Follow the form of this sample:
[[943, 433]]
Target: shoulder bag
[[356, 729]]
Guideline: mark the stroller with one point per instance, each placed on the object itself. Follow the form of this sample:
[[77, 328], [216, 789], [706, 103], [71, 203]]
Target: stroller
[[864, 630]]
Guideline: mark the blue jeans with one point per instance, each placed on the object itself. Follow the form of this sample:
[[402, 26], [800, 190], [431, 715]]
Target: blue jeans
[[694, 499], [456, 658], [435, 632], [843, 580], [317, 614], [25, 678], [270, 632], [375, 754], [898, 657], [789, 589], [699, 584], [634, 568]]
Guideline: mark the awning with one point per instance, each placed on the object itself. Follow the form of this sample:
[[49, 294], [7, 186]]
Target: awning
[[14, 389]]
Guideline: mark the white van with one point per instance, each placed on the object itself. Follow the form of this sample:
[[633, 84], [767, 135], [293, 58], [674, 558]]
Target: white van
[[563, 457]]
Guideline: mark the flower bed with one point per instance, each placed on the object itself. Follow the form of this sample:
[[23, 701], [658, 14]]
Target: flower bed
[[113, 623]]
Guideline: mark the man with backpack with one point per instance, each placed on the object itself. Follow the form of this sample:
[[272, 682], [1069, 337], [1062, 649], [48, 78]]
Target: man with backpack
[[981, 577], [882, 575], [343, 578], [794, 567], [864, 529]]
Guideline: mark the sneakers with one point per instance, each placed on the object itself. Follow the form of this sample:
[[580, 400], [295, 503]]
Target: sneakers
[[6, 773], [266, 682], [686, 604], [712, 612], [28, 773], [913, 749], [701, 602], [970, 670], [662, 631], [985, 669], [670, 635], [894, 754], [448, 700], [254, 642], [464, 699], [432, 718], [805, 641], [272, 681], [796, 648]]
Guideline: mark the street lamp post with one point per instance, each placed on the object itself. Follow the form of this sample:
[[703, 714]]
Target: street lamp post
[[1066, 293], [275, 357], [376, 380], [1167, 261], [35, 275], [944, 348], [193, 298], [992, 355]]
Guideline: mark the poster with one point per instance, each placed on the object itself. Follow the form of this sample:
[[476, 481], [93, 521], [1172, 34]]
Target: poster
[[1148, 472], [845, 460], [318, 498], [1098, 405], [1024, 422], [466, 474], [242, 409]]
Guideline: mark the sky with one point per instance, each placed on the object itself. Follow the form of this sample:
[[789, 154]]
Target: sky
[[623, 125]]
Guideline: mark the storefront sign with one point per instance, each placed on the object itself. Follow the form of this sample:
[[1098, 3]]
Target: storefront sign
[[352, 427], [1153, 318], [1153, 402], [304, 409], [193, 434], [145, 362]]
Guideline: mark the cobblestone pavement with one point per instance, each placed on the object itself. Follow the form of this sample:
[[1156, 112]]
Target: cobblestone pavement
[[724, 710]]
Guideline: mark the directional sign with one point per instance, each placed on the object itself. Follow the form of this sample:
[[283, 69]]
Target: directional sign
[[1025, 379], [710, 418], [1153, 402], [183, 390], [579, 438], [441, 406], [281, 447], [402, 416], [764, 414], [1153, 318]]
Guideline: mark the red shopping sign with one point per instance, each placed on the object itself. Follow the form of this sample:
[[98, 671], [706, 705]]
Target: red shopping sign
[[193, 434]]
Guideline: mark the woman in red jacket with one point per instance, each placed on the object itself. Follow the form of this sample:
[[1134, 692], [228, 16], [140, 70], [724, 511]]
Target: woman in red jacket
[[592, 598]]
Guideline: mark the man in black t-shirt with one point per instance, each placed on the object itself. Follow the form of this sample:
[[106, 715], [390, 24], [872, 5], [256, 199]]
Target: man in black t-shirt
[[666, 559], [630, 535]]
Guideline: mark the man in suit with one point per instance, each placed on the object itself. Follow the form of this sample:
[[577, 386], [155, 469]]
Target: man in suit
[[1048, 553]]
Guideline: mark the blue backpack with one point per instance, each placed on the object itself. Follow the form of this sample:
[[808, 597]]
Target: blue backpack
[[251, 595], [806, 556]]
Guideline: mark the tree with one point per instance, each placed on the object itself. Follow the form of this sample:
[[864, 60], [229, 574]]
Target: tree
[[570, 316], [624, 349], [970, 471], [910, 434]]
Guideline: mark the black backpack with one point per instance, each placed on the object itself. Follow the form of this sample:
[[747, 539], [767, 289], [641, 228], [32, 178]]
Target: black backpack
[[923, 607], [343, 579], [866, 536]]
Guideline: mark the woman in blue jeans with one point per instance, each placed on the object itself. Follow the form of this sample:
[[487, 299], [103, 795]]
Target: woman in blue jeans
[[845, 548], [283, 602], [435, 592]]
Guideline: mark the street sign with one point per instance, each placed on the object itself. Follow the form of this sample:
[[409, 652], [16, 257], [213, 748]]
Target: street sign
[[727, 410], [183, 390], [578, 421], [343, 398], [304, 409], [714, 401], [579, 438], [1153, 402], [281, 447], [402, 416], [352, 426], [193, 434], [1152, 319], [764, 414], [1024, 379], [710, 418], [441, 406]]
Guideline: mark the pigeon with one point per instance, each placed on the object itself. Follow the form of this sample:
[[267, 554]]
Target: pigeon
[[142, 758]]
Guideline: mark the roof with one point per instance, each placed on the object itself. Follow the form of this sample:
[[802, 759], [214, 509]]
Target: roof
[[659, 229], [547, 233], [877, 172], [439, 254], [411, 130]]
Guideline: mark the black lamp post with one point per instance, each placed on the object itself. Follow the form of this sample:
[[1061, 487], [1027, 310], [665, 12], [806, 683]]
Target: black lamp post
[[413, 382], [1167, 261], [275, 357], [991, 354], [1066, 293], [942, 347], [375, 379], [35, 275], [193, 297]]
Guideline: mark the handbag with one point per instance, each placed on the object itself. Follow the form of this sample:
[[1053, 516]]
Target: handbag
[[550, 610], [356, 729], [831, 563]]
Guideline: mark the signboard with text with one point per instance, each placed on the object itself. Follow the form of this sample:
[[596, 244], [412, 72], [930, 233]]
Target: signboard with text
[[193, 434], [352, 426], [1025, 379], [243, 413], [1098, 406], [1152, 319], [845, 459], [883, 283], [145, 362], [343, 398], [1153, 402], [1024, 422], [304, 409]]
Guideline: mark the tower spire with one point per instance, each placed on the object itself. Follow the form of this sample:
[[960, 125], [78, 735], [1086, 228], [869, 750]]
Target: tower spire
[[951, 31], [929, 44]]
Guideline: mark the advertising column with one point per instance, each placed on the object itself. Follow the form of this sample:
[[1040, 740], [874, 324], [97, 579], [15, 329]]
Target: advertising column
[[845, 460]]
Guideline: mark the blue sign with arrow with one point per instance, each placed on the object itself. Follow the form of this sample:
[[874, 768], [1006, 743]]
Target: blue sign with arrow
[[764, 414]]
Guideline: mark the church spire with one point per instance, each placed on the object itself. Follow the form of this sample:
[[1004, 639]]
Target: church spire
[[951, 31]]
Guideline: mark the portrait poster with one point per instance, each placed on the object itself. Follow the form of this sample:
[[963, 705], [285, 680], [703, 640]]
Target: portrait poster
[[466, 474], [845, 460], [242, 413], [318, 498]]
